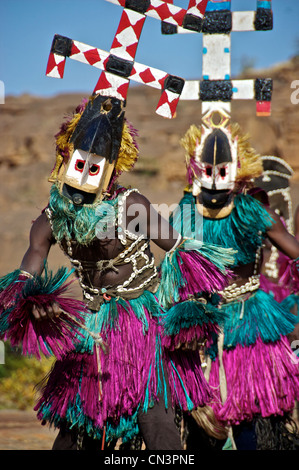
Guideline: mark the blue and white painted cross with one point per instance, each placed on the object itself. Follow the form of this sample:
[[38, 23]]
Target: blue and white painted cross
[[217, 89]]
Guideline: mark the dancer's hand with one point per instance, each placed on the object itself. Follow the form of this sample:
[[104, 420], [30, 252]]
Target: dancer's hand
[[50, 312]]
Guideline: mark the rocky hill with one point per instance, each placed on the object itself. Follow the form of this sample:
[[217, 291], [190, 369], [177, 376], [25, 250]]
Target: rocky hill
[[28, 125]]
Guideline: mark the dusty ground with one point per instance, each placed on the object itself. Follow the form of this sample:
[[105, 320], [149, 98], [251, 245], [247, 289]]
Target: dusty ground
[[20, 430]]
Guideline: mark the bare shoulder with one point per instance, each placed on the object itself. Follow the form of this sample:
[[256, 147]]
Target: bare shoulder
[[135, 197]]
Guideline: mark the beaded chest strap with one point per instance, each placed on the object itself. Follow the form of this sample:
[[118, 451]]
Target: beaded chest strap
[[144, 272]]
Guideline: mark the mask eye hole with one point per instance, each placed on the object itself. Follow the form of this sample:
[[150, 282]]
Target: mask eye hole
[[107, 105], [94, 170], [79, 166], [209, 171], [223, 172]]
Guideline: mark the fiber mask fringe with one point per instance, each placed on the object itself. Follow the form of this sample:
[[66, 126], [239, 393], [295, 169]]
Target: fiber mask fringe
[[263, 318], [52, 336], [191, 268], [79, 222], [245, 226]]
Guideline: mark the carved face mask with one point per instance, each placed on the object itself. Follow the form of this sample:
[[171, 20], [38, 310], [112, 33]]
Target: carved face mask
[[87, 177], [216, 157], [95, 143]]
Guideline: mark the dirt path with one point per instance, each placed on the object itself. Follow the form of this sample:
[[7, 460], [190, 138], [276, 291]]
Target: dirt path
[[20, 430]]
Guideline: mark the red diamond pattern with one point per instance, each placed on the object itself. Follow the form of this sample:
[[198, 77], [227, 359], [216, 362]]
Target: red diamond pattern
[[115, 85], [128, 34], [164, 11], [51, 63], [55, 61], [92, 56], [123, 89], [103, 83], [167, 104], [147, 76], [200, 6], [75, 49]]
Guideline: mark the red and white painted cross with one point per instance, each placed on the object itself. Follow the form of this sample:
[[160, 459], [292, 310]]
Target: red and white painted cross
[[118, 66]]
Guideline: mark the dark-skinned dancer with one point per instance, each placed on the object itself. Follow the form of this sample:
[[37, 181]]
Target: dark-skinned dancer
[[253, 368], [120, 371]]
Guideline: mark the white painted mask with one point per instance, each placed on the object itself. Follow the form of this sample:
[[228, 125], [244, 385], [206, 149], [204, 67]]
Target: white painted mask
[[96, 142], [216, 157]]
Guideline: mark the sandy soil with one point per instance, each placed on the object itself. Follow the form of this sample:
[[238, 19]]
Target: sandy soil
[[20, 430]]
